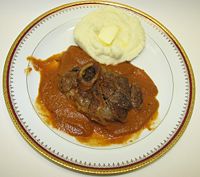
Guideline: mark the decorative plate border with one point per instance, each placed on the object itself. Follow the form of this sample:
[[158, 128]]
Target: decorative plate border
[[38, 146]]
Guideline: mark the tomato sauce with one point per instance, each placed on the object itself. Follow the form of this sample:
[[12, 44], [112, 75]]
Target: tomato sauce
[[61, 113]]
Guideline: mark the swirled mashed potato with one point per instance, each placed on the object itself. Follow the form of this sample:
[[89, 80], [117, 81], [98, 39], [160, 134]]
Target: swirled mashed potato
[[110, 36]]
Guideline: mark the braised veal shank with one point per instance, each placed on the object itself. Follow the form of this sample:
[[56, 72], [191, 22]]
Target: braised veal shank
[[100, 94]]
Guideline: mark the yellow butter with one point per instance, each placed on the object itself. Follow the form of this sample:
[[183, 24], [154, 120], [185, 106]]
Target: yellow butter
[[108, 34]]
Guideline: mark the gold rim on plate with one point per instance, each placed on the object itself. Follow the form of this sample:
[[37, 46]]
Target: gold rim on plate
[[92, 170]]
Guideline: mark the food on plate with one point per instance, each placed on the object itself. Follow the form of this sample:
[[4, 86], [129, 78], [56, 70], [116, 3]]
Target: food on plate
[[90, 91], [110, 36], [100, 94], [97, 104]]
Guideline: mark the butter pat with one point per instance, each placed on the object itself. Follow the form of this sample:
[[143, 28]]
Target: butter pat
[[108, 34]]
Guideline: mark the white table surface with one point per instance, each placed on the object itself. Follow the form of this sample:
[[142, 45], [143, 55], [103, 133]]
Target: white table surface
[[17, 158]]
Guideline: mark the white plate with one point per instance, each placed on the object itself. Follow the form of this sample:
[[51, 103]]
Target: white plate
[[163, 59]]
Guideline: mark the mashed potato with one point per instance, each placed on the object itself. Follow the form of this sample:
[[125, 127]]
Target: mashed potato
[[110, 36]]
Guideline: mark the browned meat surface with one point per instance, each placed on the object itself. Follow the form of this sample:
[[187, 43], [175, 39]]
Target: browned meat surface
[[100, 94]]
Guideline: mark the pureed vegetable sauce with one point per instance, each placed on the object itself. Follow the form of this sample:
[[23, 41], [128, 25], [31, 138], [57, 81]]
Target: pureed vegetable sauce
[[61, 113]]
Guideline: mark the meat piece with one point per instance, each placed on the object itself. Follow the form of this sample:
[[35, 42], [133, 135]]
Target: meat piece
[[67, 82], [107, 87], [121, 100], [101, 95], [136, 96]]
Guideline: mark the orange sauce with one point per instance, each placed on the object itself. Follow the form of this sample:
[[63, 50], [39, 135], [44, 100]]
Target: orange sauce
[[28, 70], [60, 112]]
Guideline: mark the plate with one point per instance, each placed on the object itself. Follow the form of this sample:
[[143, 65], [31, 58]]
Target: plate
[[163, 58]]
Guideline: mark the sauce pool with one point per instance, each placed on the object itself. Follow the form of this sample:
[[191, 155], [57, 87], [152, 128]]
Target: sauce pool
[[60, 112]]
